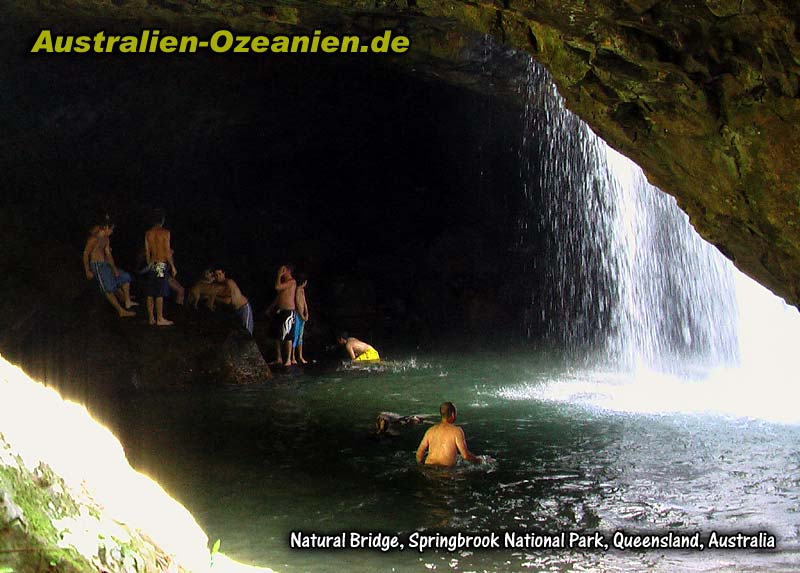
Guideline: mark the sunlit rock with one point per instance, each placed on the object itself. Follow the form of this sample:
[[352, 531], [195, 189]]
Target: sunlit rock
[[71, 500]]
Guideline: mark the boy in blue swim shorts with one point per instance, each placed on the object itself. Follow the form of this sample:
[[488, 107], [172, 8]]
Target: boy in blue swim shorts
[[98, 264], [301, 317]]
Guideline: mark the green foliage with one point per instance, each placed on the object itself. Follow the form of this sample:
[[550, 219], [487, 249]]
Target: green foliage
[[32, 500], [36, 533]]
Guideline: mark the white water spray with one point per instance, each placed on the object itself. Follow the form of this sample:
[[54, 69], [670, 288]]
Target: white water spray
[[668, 323], [624, 273]]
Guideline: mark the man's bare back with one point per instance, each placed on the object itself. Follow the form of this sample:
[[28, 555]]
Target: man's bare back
[[157, 248], [356, 347], [444, 441], [358, 350], [159, 260]]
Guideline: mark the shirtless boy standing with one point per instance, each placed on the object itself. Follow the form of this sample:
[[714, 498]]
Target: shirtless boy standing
[[159, 260], [444, 440], [236, 299], [98, 264], [286, 287], [300, 319]]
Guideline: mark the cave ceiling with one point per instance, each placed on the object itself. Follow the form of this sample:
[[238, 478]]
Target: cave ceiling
[[702, 94]]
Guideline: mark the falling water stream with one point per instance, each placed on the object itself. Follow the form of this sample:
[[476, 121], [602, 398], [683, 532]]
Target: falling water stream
[[624, 274], [630, 288]]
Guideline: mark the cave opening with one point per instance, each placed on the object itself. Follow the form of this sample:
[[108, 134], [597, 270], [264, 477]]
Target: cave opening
[[403, 198]]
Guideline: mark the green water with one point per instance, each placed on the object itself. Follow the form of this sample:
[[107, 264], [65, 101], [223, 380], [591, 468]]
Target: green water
[[299, 453]]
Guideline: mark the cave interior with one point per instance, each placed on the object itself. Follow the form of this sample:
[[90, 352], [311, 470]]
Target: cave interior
[[398, 195]]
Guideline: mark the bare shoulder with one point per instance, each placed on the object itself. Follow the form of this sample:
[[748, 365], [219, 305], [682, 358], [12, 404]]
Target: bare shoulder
[[440, 429], [453, 432], [156, 232]]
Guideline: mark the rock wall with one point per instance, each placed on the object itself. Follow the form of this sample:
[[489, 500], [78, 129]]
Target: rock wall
[[702, 95]]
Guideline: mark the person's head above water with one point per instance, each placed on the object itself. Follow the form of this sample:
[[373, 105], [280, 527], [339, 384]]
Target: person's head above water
[[447, 411]]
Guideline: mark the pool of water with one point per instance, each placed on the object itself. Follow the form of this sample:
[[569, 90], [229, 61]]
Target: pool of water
[[299, 453]]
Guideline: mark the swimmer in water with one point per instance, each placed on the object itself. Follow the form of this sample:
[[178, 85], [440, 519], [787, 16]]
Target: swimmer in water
[[387, 423], [444, 441]]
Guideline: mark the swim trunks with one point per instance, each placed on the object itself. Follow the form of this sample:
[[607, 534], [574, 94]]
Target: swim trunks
[[158, 280], [284, 318], [104, 275], [370, 354], [299, 326], [245, 314]]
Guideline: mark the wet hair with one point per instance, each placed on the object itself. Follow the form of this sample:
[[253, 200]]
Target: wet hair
[[342, 336], [301, 278], [447, 409]]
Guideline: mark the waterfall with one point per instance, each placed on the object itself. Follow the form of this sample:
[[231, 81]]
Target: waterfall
[[621, 276]]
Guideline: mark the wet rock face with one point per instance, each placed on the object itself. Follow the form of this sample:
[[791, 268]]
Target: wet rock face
[[91, 355], [702, 93], [242, 361]]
